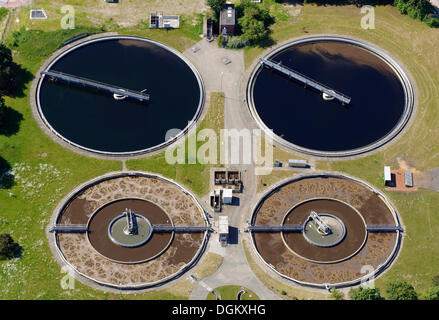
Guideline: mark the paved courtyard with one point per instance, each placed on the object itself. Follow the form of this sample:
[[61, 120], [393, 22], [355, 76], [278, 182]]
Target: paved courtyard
[[231, 79]]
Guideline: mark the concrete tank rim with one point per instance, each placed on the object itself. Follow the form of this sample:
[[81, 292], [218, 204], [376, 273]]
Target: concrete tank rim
[[331, 199], [407, 82], [125, 262], [394, 254], [85, 279], [59, 138]]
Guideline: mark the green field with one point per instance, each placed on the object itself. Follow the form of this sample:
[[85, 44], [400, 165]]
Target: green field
[[44, 172], [188, 174]]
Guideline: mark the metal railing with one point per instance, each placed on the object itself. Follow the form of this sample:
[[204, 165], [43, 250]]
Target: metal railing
[[96, 85], [383, 228], [305, 80], [77, 228], [284, 228], [179, 229]]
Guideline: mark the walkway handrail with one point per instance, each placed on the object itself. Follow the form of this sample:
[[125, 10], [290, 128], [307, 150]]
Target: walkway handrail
[[75, 228], [79, 228], [84, 82], [283, 228], [180, 229], [305, 80], [383, 228]]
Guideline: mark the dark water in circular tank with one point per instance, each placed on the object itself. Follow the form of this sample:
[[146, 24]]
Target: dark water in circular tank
[[98, 121], [301, 116]]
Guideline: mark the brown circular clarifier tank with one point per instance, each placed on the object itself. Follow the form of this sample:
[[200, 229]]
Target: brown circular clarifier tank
[[101, 241], [81, 224], [372, 227], [350, 244]]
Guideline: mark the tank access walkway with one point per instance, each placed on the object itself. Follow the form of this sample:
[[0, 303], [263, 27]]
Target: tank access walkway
[[299, 228], [290, 73], [270, 229], [180, 229], [96, 85], [384, 228], [76, 228], [158, 228]]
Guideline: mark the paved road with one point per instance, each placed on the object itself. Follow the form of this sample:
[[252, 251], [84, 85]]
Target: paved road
[[230, 79], [234, 271]]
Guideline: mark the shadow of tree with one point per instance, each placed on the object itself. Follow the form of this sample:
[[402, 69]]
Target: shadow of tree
[[11, 121], [266, 42], [21, 78], [6, 178], [9, 248], [18, 251]]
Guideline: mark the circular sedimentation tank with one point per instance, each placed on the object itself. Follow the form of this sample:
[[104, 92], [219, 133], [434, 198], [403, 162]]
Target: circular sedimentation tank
[[362, 239], [307, 120], [106, 231], [109, 123], [106, 253]]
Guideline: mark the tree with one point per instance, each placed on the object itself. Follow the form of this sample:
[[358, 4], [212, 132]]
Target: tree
[[433, 293], [7, 70], [337, 295], [216, 5], [363, 293], [253, 23], [432, 22], [416, 9], [401, 290], [7, 246]]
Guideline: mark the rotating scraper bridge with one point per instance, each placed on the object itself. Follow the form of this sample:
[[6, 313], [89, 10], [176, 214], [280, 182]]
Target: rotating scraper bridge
[[155, 228], [299, 228], [290, 73], [95, 85]]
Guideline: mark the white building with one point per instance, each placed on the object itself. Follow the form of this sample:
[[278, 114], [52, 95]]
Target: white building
[[227, 196], [223, 228], [297, 163], [387, 175]]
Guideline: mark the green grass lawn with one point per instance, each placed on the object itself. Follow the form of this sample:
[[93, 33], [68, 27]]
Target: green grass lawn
[[44, 172], [264, 182], [85, 17], [231, 292], [194, 176]]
